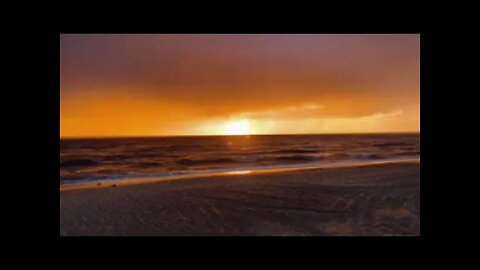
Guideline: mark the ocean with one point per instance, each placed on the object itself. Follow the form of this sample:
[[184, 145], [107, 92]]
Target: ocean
[[84, 160]]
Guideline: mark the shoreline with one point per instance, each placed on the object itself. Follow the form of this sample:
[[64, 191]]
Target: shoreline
[[382, 200], [226, 172]]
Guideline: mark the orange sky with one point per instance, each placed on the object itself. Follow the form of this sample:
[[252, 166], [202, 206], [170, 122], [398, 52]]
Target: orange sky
[[148, 85]]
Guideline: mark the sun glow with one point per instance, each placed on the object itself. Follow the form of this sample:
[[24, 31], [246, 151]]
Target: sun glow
[[238, 127]]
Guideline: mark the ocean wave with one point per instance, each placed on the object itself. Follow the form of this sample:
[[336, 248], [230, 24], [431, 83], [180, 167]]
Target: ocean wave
[[78, 163], [295, 151], [298, 158], [81, 159], [193, 162], [364, 155], [246, 159], [188, 147], [391, 144], [147, 164], [407, 153], [130, 157]]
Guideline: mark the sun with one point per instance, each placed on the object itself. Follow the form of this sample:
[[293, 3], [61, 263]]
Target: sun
[[238, 127]]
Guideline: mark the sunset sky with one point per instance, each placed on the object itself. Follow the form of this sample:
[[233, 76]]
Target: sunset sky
[[148, 85]]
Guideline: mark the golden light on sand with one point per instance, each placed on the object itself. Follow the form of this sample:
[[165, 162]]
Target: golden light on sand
[[237, 127]]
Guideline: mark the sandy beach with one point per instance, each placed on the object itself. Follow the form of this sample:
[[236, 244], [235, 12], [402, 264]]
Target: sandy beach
[[361, 201]]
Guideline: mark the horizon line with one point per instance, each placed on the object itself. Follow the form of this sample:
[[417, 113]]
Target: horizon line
[[222, 135]]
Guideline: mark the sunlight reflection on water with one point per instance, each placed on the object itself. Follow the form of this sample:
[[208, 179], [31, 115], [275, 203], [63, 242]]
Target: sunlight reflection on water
[[240, 172]]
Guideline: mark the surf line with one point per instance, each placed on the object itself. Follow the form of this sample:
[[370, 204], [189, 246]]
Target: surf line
[[230, 172]]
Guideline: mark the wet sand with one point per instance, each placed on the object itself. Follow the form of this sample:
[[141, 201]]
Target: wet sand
[[363, 201]]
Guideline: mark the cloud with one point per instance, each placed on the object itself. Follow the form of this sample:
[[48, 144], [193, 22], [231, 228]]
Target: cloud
[[389, 121], [132, 84], [307, 110], [381, 115], [205, 66]]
